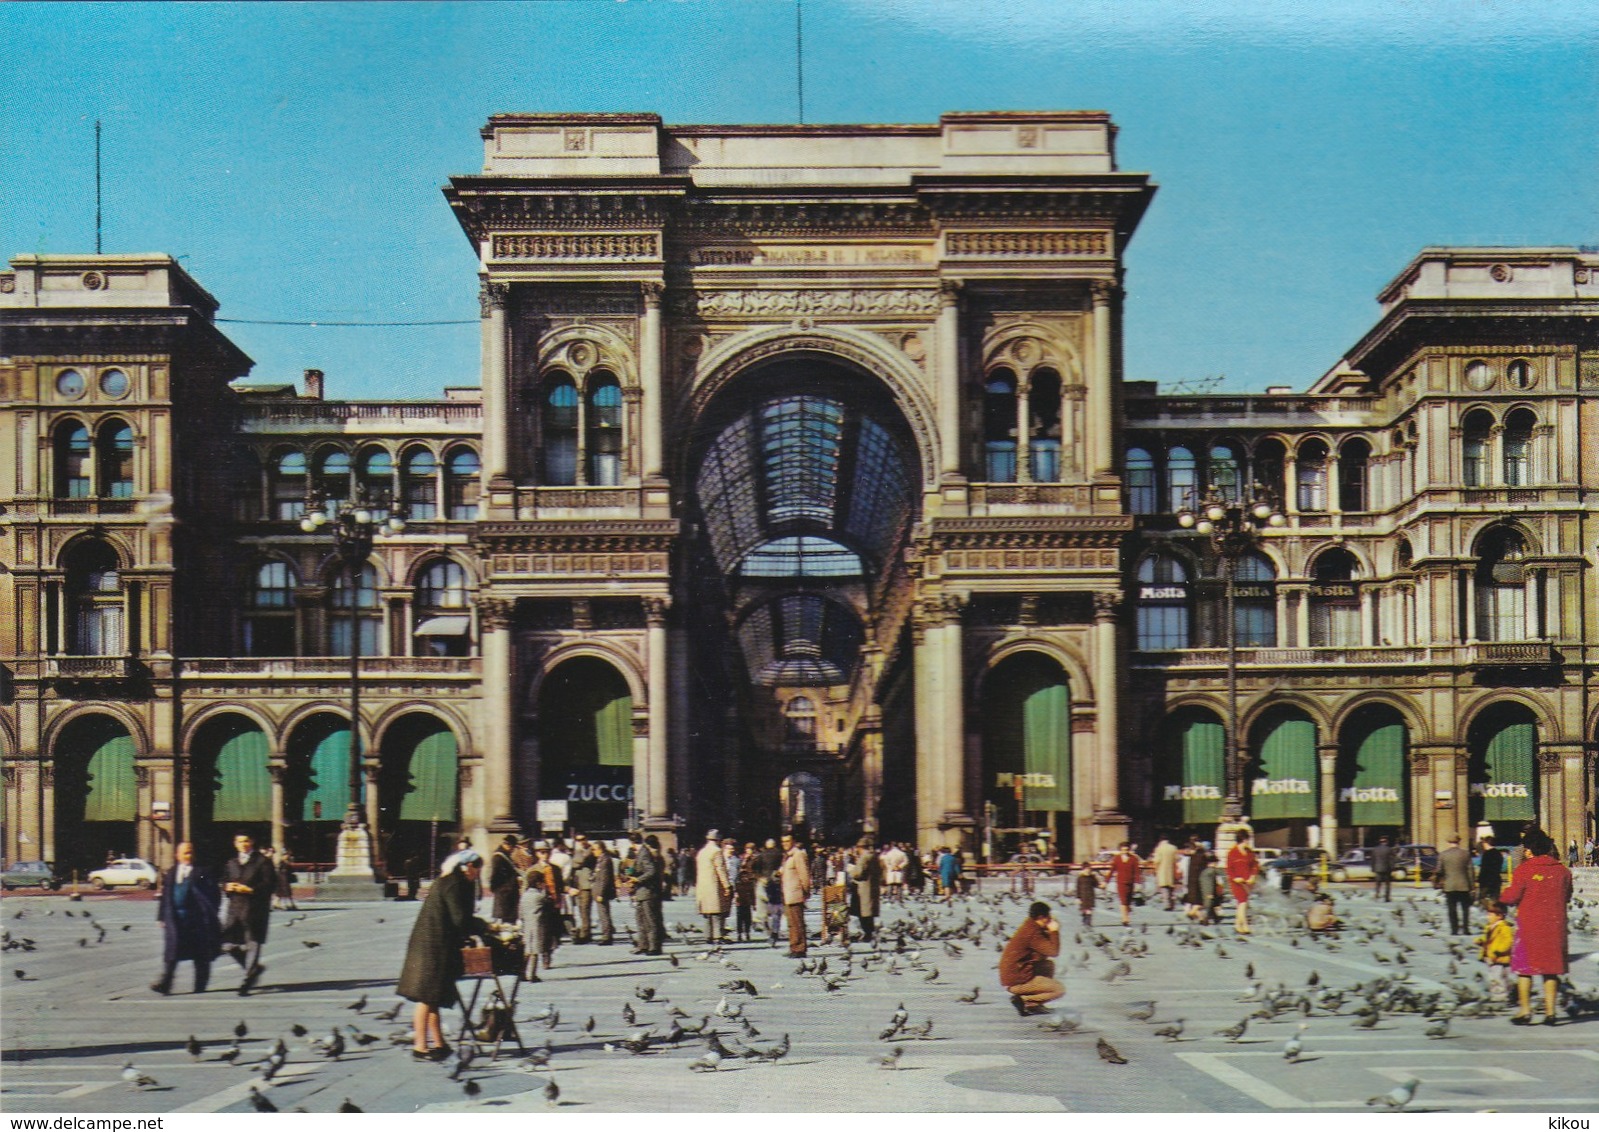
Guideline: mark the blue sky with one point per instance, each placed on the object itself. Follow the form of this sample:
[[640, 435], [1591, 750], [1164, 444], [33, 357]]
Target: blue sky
[[293, 154]]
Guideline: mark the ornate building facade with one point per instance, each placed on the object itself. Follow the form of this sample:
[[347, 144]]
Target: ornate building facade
[[802, 489]]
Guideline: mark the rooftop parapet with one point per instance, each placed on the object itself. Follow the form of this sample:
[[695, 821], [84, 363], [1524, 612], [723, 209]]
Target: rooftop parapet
[[76, 281]]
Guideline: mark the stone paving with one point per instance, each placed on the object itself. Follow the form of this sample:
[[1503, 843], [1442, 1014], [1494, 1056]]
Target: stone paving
[[75, 1013]]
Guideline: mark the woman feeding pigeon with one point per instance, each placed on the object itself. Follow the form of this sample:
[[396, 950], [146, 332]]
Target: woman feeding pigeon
[[1540, 888], [433, 955]]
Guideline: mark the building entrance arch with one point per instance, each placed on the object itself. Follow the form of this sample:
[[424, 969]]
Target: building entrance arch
[[419, 805], [1027, 752], [230, 785], [1372, 778], [586, 745], [96, 793]]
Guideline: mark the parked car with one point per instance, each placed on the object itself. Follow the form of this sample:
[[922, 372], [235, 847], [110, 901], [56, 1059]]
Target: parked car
[[125, 871], [30, 874], [1356, 864], [1296, 862]]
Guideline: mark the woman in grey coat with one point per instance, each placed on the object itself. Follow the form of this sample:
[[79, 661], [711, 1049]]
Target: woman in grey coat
[[433, 955]]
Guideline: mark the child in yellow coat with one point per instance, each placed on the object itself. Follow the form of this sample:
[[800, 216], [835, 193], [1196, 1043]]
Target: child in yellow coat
[[1495, 944]]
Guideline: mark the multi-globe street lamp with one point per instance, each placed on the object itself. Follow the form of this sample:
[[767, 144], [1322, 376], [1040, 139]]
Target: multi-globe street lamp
[[1234, 527], [353, 523]]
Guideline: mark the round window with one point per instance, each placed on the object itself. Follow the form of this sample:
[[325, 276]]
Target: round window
[[1478, 376], [69, 383], [1519, 374], [114, 383]]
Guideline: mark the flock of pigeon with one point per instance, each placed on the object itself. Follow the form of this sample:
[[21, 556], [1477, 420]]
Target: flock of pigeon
[[741, 1024]]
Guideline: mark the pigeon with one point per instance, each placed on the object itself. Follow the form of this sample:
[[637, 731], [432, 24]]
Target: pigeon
[[347, 1106], [1233, 1033], [358, 1005], [298, 1030], [1397, 1097], [644, 994], [1108, 1052], [970, 997], [1294, 1045], [470, 1087], [391, 1013], [229, 1055], [464, 1057], [931, 976], [1143, 1012], [241, 1031], [334, 1045], [23, 976], [552, 1093], [710, 1061], [891, 1059], [310, 943], [1439, 1029], [588, 1027], [1172, 1032], [194, 1048], [136, 1079], [259, 1102], [629, 1015], [889, 1031]]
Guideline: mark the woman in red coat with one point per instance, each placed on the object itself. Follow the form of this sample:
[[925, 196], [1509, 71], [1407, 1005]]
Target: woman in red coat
[[1540, 888], [1124, 867], [1242, 868]]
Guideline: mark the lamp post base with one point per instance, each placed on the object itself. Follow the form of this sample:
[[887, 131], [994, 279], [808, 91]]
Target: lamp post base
[[1227, 832], [352, 878]]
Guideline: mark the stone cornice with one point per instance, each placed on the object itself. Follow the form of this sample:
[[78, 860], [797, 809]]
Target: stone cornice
[[576, 536], [494, 204], [769, 217], [1008, 531]]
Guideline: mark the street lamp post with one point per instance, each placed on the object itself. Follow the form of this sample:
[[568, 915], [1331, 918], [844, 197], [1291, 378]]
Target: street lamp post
[[1234, 527], [353, 524]]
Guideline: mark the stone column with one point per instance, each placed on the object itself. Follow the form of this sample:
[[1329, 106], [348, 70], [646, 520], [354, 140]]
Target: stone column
[[649, 375], [1101, 406], [496, 616], [1107, 790], [1327, 757], [280, 825], [947, 357], [370, 770], [1024, 439], [925, 621], [952, 725], [655, 793], [492, 298], [871, 779]]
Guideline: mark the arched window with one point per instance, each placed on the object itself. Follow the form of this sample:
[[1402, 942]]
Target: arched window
[[799, 720], [1141, 493], [1255, 602], [462, 476], [1269, 460], [604, 427], [333, 477], [1334, 601], [1226, 473], [1518, 448], [288, 486], [1162, 610], [999, 427], [73, 456], [1353, 459], [1474, 433], [1043, 440], [116, 461], [1182, 482], [419, 485], [377, 481], [368, 614], [439, 607], [94, 602], [1311, 468], [560, 431], [1502, 587], [269, 625]]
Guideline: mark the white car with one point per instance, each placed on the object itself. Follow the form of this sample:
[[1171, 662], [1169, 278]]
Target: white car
[[125, 871]]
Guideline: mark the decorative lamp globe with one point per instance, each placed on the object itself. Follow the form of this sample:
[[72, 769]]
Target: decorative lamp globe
[[1184, 519], [307, 525], [363, 516], [1262, 511], [1205, 526], [1215, 513], [396, 524], [1276, 520]]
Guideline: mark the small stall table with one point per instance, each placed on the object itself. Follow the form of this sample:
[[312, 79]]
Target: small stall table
[[493, 964]]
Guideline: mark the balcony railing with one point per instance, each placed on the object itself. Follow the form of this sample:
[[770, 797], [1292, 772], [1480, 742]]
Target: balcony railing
[[339, 666], [1278, 657], [89, 667], [1519, 654]]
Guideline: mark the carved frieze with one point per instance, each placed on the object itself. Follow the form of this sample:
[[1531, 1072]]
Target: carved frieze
[[1030, 242], [550, 536], [625, 246], [806, 218], [763, 303]]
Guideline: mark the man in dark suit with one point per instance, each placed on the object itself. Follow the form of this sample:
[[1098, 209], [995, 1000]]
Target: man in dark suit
[[248, 880], [648, 875], [187, 911], [1382, 869]]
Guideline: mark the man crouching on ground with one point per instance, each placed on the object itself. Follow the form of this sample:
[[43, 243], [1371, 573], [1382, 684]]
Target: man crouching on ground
[[1025, 967]]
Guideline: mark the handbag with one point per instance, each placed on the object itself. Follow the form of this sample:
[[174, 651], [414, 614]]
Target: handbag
[[477, 962]]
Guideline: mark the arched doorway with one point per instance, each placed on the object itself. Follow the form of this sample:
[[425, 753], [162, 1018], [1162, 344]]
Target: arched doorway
[[316, 785], [806, 480], [418, 794], [96, 793], [800, 798], [1502, 770], [1282, 778], [1372, 778], [230, 785], [1191, 765], [1027, 759], [586, 745]]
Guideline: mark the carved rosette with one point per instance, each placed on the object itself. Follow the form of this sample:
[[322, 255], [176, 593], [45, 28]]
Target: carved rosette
[[492, 297], [496, 614]]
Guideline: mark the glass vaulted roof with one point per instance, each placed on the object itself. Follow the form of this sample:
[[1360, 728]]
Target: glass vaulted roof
[[800, 639]]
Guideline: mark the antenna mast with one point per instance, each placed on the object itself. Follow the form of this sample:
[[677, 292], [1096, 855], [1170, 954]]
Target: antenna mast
[[97, 186], [799, 54]]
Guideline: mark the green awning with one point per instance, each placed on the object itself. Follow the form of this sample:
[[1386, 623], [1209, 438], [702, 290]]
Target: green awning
[[1377, 794], [113, 791], [1028, 733], [244, 784], [1047, 740], [1198, 762], [432, 792], [330, 778], [1509, 794], [613, 731], [1286, 787]]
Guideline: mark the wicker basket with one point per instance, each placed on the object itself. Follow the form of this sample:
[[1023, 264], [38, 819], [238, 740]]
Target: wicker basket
[[477, 962]]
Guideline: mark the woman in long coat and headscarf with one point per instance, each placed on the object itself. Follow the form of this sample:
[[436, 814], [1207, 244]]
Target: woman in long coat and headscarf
[[1540, 888], [542, 896], [433, 955]]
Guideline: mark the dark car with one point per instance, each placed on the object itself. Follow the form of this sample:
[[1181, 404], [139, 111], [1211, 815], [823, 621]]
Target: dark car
[[1294, 863], [30, 874]]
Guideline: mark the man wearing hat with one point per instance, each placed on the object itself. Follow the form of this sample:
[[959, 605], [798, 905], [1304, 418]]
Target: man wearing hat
[[503, 884], [712, 888], [647, 879], [1454, 877]]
